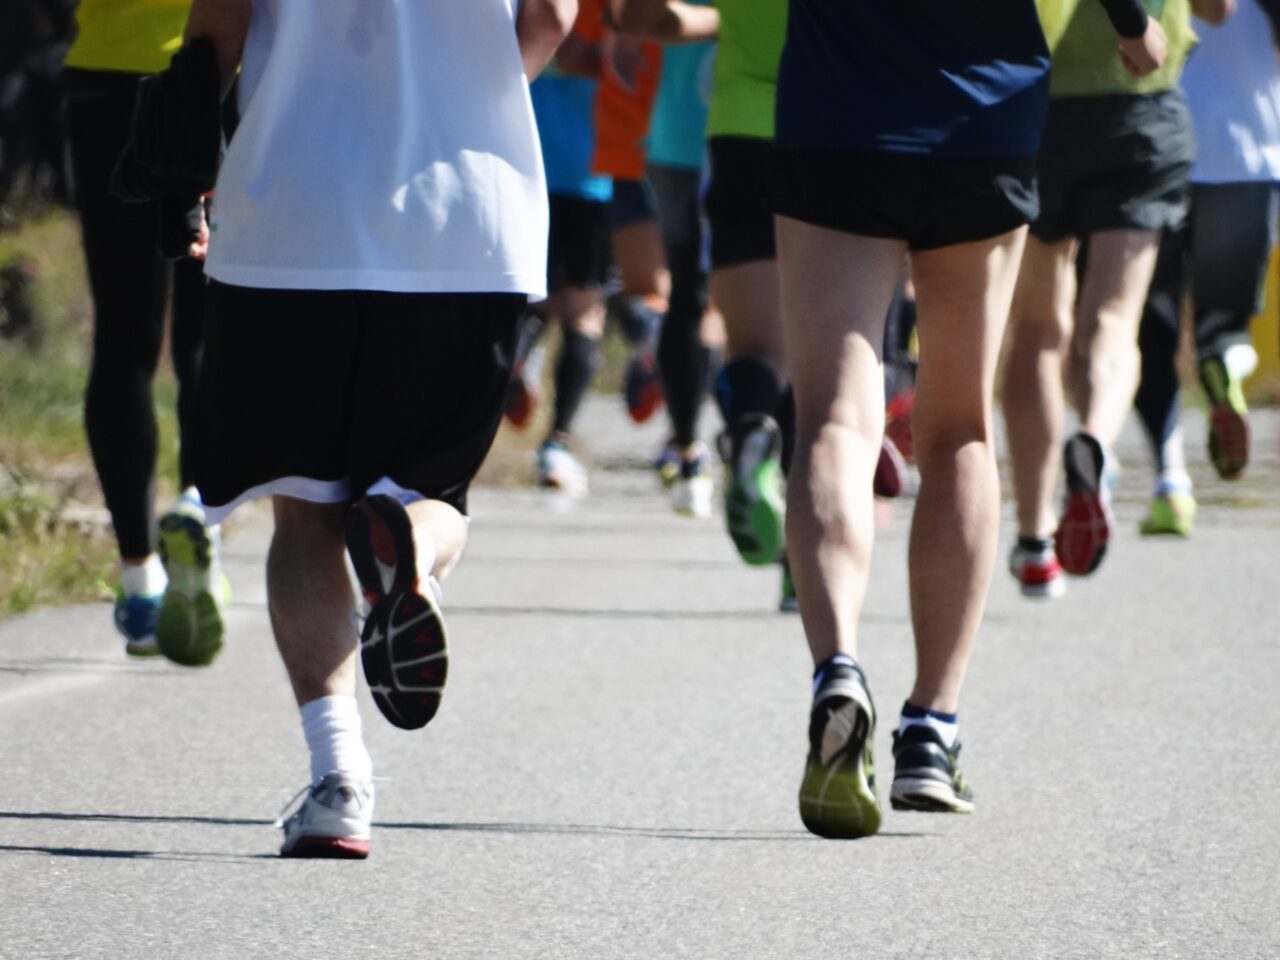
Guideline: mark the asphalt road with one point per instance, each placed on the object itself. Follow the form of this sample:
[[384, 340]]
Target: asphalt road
[[614, 772]]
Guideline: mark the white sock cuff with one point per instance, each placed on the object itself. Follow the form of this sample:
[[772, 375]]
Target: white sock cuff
[[338, 706], [334, 735], [949, 732], [146, 579], [425, 548]]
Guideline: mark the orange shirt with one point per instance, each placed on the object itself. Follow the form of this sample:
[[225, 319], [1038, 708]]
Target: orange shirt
[[622, 115]]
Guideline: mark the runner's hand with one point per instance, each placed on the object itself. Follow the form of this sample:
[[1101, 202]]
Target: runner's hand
[[1143, 55], [199, 248], [624, 59]]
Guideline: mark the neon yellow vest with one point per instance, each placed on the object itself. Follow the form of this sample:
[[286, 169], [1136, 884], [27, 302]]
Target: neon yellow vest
[[133, 36], [1085, 61], [751, 37]]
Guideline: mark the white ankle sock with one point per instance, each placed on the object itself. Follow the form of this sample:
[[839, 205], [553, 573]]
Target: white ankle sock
[[1173, 481], [425, 553], [334, 737], [145, 579], [948, 731]]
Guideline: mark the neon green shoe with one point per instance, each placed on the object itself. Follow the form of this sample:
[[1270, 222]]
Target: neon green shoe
[[754, 505], [190, 628], [1172, 514]]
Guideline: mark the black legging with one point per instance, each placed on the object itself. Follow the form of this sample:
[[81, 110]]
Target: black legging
[[130, 284], [1159, 398], [682, 358], [1221, 254]]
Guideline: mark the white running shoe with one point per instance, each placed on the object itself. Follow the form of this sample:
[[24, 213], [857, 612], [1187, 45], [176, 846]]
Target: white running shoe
[[333, 821], [559, 470], [1038, 572], [693, 489]]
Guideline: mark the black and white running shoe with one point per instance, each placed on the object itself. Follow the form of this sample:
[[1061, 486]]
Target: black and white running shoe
[[838, 793], [926, 775], [402, 645]]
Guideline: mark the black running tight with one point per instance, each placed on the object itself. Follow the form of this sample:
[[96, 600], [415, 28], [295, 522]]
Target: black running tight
[[1222, 255], [129, 282], [682, 359], [575, 369]]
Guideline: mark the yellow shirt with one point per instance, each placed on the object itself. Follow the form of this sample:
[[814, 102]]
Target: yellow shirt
[[1085, 62], [134, 36]]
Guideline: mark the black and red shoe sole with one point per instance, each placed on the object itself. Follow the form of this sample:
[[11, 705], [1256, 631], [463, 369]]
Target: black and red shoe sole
[[1085, 527], [890, 478], [403, 647], [642, 389], [327, 848], [1228, 441]]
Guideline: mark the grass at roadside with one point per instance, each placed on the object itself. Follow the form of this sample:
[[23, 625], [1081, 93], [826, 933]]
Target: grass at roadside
[[54, 544], [46, 556]]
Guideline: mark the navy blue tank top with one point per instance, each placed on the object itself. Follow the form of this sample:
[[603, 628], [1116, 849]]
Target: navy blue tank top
[[948, 77]]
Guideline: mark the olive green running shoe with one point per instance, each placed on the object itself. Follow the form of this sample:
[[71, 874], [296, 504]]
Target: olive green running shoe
[[838, 792], [189, 630], [754, 505], [1172, 514]]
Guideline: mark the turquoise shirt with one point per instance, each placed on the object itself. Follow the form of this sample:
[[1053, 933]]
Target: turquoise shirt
[[678, 129]]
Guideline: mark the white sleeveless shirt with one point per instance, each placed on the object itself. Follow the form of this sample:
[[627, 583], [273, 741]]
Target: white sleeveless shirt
[[384, 145]]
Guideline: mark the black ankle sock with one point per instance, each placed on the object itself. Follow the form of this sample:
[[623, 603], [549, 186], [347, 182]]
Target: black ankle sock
[[753, 387], [1035, 544], [911, 712]]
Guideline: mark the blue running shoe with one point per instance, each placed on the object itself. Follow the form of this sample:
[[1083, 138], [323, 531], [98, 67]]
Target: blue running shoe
[[136, 618]]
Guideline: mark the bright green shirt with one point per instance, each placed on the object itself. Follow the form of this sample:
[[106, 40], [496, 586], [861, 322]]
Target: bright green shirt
[[132, 36], [751, 36], [1085, 61]]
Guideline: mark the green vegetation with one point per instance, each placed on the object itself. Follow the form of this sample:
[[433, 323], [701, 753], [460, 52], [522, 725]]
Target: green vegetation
[[55, 546]]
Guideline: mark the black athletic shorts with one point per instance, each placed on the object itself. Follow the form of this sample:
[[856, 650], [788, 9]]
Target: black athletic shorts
[[632, 203], [1118, 162], [738, 201], [578, 253], [321, 395], [928, 201]]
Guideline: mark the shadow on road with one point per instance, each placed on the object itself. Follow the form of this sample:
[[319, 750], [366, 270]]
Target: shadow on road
[[654, 833], [586, 613], [65, 665], [133, 818], [697, 834], [92, 853]]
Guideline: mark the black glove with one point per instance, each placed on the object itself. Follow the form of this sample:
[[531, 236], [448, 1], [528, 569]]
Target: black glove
[[177, 130], [177, 119], [180, 222]]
